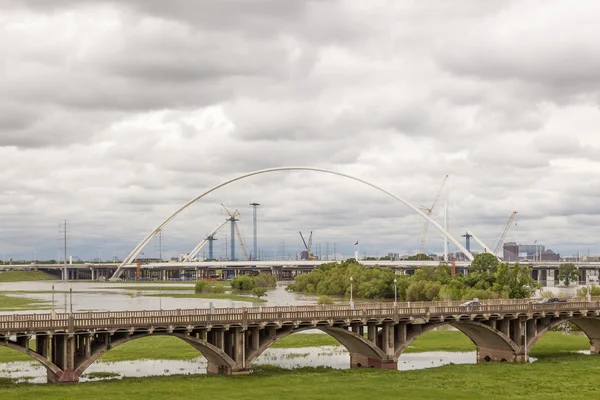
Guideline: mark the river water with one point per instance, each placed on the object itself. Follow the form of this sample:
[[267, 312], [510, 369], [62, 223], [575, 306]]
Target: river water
[[328, 356], [104, 296]]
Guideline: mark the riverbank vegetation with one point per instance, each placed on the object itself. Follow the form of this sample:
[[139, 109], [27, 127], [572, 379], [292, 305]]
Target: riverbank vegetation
[[10, 303], [487, 279], [552, 378], [247, 283], [22, 276]]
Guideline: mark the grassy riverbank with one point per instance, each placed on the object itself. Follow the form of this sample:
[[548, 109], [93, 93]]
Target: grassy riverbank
[[552, 344], [563, 377], [21, 276], [10, 303]]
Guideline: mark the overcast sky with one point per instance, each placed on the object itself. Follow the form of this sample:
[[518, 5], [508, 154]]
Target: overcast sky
[[113, 114]]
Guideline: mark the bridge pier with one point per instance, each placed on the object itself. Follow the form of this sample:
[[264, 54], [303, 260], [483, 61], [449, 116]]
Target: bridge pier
[[362, 361]]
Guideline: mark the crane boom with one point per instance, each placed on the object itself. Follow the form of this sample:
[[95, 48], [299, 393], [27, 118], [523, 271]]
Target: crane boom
[[428, 211], [504, 232], [241, 241], [200, 245]]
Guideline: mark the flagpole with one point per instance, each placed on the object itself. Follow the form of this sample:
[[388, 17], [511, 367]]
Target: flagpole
[[356, 251]]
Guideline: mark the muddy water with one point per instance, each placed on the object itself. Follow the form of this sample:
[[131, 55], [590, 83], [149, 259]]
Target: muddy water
[[103, 296], [330, 356]]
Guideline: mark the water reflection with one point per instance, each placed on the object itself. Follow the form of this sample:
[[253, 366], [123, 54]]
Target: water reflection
[[330, 356]]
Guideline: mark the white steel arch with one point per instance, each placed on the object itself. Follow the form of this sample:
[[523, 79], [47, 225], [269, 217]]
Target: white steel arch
[[144, 242]]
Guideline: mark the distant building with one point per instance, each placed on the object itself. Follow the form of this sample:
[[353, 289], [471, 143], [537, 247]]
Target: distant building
[[510, 251], [549, 255], [531, 251]]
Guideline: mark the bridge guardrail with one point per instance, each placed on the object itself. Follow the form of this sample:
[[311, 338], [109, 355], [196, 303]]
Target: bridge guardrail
[[201, 317]]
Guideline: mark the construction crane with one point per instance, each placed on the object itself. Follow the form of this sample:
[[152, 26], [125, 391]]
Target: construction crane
[[504, 232], [428, 211], [307, 245], [235, 231], [209, 238]]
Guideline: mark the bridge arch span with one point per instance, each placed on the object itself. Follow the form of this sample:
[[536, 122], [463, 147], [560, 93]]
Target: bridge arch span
[[416, 210], [213, 354], [50, 366], [353, 342], [590, 326], [490, 342]]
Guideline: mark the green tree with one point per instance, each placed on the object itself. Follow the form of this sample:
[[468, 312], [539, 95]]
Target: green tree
[[568, 272], [484, 263]]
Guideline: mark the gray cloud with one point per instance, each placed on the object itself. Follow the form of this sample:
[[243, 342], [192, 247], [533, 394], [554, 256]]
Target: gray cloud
[[113, 114]]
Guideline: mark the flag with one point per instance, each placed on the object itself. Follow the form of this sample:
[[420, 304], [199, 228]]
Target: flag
[[356, 244]]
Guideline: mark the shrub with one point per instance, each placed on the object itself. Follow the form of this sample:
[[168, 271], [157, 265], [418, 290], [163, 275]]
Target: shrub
[[259, 292], [217, 289], [201, 286], [264, 280], [324, 299], [243, 282]]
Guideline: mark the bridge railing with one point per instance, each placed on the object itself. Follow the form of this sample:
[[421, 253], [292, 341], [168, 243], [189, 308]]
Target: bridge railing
[[201, 317]]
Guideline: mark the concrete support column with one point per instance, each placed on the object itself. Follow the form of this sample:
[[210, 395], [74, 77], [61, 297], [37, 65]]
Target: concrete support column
[[594, 346], [387, 339], [356, 327], [220, 339], [372, 332], [63, 356], [255, 338], [238, 346], [400, 337], [42, 345]]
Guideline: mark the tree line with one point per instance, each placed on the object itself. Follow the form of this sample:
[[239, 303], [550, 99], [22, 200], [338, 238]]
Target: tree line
[[487, 279]]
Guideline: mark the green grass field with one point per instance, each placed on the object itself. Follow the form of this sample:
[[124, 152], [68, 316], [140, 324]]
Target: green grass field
[[569, 377], [19, 276], [10, 303]]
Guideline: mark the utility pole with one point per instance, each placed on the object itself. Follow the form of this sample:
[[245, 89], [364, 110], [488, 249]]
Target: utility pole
[[334, 252], [64, 228], [254, 236]]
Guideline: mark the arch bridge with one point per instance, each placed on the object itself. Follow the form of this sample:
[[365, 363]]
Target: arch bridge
[[231, 339]]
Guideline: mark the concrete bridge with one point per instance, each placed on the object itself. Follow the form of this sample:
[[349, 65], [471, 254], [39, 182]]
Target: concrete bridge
[[231, 339]]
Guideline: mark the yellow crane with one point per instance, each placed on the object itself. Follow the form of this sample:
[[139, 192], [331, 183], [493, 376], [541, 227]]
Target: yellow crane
[[307, 245]]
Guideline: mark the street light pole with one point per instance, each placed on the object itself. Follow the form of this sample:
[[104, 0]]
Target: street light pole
[[71, 299], [351, 299], [53, 312], [395, 291]]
